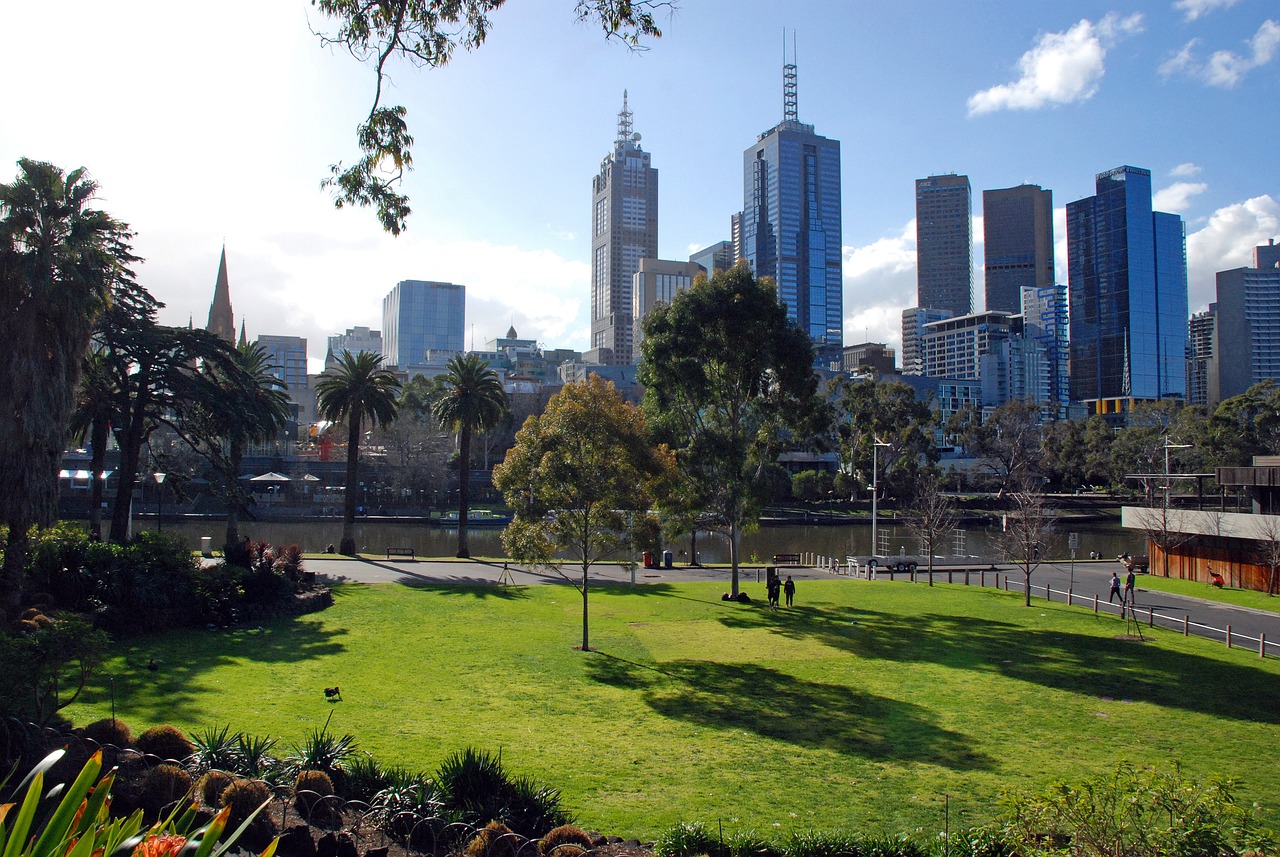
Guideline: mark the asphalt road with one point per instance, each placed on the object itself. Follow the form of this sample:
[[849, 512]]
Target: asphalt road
[[1086, 579]]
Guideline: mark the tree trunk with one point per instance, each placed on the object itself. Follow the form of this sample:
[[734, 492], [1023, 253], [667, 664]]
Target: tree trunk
[[126, 476], [693, 547], [586, 646], [464, 502], [348, 545], [1027, 588], [98, 440], [735, 543], [233, 493], [11, 578]]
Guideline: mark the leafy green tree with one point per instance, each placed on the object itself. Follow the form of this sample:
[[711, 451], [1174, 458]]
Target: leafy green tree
[[427, 33], [471, 400], [728, 382], [246, 403], [49, 658], [1246, 425], [356, 391], [59, 261], [1007, 442], [888, 412], [581, 479]]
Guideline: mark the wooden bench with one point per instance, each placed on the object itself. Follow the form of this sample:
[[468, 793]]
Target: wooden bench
[[786, 559], [401, 552]]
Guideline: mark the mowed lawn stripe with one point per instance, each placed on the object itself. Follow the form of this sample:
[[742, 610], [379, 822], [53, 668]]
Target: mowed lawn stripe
[[860, 707]]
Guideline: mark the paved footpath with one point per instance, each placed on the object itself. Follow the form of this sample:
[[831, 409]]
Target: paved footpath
[[1085, 579]]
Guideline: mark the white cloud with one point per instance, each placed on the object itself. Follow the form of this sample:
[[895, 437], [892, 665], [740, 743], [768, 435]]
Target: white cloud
[[879, 282], [1225, 69], [1176, 198], [1062, 68], [1193, 9], [1185, 170], [1227, 242]]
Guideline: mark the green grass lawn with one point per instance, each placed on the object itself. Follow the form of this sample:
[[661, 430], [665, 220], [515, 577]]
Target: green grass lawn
[[1239, 597], [860, 708]]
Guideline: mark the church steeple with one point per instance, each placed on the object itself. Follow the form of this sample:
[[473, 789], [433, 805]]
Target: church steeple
[[244, 340], [221, 319]]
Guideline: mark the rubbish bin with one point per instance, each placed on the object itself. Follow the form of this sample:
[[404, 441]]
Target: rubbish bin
[[648, 559], [206, 545], [666, 559]]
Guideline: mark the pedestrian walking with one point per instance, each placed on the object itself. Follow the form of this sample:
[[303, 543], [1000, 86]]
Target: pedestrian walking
[[1115, 588], [1129, 581], [790, 589]]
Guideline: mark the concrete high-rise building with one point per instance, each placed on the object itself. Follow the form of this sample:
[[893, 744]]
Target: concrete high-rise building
[[1017, 229], [657, 282], [1248, 308], [873, 358], [717, 257], [355, 340], [790, 228], [944, 244], [915, 321], [953, 347], [221, 318], [1202, 360], [419, 318], [624, 230], [1127, 269], [287, 361]]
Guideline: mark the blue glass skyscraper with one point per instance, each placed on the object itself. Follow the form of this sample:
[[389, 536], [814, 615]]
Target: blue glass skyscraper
[[789, 228], [1127, 269], [419, 316]]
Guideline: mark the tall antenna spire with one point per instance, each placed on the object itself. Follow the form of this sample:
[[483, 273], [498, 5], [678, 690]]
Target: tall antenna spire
[[624, 121], [790, 113]]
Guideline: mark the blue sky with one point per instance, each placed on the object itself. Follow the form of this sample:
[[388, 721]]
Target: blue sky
[[207, 123]]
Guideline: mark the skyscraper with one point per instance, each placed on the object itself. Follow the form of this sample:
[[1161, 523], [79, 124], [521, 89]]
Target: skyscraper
[[1017, 228], [221, 319], [944, 244], [420, 316], [789, 228], [1248, 308], [624, 230], [1127, 269]]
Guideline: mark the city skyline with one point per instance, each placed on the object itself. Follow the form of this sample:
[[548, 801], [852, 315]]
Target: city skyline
[[219, 135]]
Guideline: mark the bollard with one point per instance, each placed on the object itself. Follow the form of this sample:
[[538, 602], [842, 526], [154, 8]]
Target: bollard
[[1186, 625], [1048, 593], [949, 578], [1228, 636], [1095, 604], [983, 582], [1068, 596], [1151, 617], [1262, 646]]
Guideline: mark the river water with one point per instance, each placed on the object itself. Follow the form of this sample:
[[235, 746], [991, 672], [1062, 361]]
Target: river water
[[1108, 540]]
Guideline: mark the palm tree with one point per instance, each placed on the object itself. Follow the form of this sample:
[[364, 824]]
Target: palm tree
[[246, 403], [472, 400], [355, 391], [59, 260]]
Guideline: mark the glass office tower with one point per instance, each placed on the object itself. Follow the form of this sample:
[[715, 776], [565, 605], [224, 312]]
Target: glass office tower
[[420, 316], [789, 228], [1127, 270]]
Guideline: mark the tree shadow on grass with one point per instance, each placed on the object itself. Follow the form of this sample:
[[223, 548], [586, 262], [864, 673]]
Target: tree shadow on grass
[[478, 588], [162, 676], [1101, 666], [776, 705]]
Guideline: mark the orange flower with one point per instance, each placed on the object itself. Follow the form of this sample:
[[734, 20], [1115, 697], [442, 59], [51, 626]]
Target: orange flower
[[166, 845]]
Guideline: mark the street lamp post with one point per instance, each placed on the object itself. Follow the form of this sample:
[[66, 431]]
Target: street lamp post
[[875, 492], [159, 477]]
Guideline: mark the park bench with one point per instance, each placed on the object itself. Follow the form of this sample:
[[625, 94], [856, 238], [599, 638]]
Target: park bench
[[786, 559], [401, 552]]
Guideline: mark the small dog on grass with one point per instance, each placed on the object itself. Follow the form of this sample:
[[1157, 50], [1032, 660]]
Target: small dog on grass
[[333, 694]]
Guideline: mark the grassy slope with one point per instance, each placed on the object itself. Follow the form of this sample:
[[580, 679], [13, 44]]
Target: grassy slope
[[859, 708]]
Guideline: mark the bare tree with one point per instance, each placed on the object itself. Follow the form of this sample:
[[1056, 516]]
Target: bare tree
[[1266, 529], [1164, 528], [1027, 526], [930, 517]]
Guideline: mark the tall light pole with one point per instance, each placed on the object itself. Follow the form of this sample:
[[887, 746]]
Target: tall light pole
[[1168, 446], [159, 477], [875, 491]]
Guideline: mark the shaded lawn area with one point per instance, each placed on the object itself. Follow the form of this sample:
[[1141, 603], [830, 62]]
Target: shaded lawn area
[[859, 708]]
